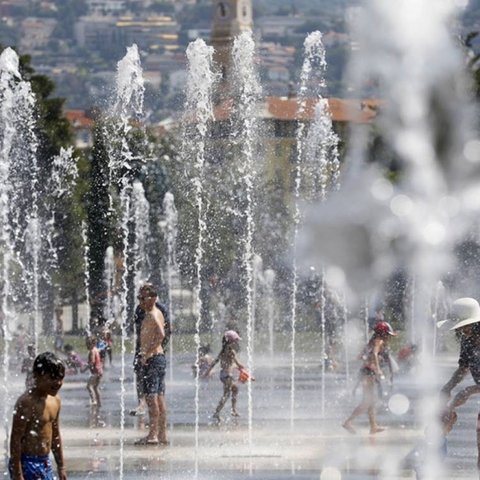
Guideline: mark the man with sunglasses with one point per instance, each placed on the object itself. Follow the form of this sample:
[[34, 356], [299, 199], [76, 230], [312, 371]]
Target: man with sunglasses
[[152, 328]]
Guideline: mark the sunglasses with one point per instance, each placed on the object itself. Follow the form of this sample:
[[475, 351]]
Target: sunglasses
[[144, 297]]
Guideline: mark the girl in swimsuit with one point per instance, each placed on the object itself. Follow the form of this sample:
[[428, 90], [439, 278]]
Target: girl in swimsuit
[[228, 362], [370, 376]]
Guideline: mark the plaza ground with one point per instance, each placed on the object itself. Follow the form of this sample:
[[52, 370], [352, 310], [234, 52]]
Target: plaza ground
[[310, 447]]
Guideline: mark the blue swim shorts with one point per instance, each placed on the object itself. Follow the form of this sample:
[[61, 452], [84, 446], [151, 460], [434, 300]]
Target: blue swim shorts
[[35, 467], [154, 380], [225, 376]]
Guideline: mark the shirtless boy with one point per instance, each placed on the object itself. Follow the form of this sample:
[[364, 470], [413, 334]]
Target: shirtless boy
[[36, 425], [95, 365], [153, 359]]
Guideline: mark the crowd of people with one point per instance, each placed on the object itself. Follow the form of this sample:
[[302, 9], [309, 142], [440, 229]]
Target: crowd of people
[[35, 428]]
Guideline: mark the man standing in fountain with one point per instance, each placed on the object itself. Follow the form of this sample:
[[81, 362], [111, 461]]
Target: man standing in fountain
[[152, 358], [138, 366]]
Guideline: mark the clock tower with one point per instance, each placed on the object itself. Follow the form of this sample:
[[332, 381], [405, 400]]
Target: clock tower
[[230, 19]]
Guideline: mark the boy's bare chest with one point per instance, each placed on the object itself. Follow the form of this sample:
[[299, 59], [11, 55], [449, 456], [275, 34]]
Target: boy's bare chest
[[40, 416]]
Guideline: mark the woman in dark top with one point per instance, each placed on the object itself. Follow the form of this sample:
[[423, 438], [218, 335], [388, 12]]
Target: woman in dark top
[[466, 313]]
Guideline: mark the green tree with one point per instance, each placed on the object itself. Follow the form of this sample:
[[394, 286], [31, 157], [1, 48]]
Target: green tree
[[473, 61], [104, 209], [99, 216], [155, 181]]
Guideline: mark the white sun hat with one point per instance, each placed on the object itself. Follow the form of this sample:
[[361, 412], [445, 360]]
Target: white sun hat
[[465, 311]]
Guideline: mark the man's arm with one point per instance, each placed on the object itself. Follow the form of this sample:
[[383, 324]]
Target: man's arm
[[168, 326], [57, 447], [462, 396], [19, 426], [456, 378], [167, 333], [161, 324]]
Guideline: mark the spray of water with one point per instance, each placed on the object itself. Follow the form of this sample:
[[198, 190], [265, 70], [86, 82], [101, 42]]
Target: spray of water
[[249, 91], [130, 88], [33, 245], [269, 276], [346, 344], [316, 172], [199, 109], [127, 105], [423, 122], [257, 279], [109, 279], [64, 173], [61, 183], [169, 227], [8, 76], [419, 97], [20, 230], [439, 312], [86, 278], [139, 217]]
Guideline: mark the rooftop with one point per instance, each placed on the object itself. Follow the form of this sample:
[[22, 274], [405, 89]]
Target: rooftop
[[287, 109]]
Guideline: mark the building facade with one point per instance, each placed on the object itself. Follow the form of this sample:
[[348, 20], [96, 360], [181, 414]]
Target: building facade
[[230, 19]]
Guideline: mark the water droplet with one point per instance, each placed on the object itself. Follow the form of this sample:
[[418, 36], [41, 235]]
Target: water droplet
[[398, 404], [330, 473], [434, 233], [382, 189], [472, 151], [401, 205], [335, 277]]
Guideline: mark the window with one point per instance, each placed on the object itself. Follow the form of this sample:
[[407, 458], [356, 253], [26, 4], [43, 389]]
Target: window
[[222, 11]]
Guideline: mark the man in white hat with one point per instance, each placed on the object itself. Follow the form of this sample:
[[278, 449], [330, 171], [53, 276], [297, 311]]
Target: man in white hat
[[466, 315]]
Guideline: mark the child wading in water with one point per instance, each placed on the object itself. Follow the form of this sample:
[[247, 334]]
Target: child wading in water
[[228, 362], [95, 365], [371, 375], [36, 424]]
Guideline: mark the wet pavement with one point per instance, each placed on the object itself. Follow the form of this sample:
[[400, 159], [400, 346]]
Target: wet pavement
[[315, 447]]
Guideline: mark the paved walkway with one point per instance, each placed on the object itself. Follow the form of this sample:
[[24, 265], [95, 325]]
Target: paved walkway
[[271, 449]]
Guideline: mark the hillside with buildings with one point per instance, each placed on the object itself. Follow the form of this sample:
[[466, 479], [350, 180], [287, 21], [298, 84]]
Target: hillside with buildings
[[78, 42]]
